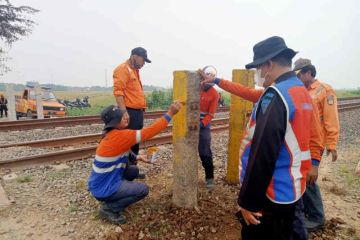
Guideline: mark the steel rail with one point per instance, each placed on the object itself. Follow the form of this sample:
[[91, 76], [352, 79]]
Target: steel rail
[[95, 119], [69, 121], [82, 139], [81, 153]]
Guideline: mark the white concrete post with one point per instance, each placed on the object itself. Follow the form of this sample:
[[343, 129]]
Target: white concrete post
[[10, 96], [39, 105]]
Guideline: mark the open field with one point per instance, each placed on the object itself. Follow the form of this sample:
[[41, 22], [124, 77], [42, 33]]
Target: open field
[[99, 100]]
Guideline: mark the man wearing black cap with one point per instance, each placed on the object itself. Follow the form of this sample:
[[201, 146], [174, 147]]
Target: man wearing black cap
[[111, 178], [275, 150], [129, 93]]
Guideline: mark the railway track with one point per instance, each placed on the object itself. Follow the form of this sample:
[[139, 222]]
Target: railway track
[[89, 150], [82, 152], [84, 139], [344, 104], [69, 121]]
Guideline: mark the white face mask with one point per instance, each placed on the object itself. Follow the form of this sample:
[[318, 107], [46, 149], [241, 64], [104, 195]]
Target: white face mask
[[259, 81]]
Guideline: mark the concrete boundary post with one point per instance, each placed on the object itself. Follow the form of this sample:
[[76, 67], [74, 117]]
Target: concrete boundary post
[[240, 111], [185, 139], [10, 96]]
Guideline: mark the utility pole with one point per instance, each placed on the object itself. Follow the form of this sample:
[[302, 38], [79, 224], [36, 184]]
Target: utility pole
[[106, 78]]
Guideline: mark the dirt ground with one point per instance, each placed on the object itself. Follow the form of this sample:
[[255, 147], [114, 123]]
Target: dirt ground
[[53, 202]]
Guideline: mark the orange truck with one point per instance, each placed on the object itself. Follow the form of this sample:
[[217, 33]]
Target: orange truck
[[26, 104]]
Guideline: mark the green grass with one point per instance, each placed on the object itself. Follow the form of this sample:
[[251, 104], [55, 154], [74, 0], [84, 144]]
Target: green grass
[[81, 185], [73, 208], [341, 93], [24, 179], [56, 175], [348, 175], [100, 100]]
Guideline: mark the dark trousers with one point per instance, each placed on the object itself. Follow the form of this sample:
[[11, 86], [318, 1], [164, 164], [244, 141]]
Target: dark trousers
[[136, 123], [313, 205], [128, 193], [299, 230], [3, 108], [276, 223], [205, 153]]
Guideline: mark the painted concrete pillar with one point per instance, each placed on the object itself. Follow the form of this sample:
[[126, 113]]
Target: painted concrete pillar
[[240, 111], [185, 138]]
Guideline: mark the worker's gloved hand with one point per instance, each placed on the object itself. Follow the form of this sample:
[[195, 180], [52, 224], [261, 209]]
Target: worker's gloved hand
[[333, 154], [312, 175]]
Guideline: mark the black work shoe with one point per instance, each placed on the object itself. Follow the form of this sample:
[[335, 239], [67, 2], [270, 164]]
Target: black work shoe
[[312, 226], [141, 176], [114, 218]]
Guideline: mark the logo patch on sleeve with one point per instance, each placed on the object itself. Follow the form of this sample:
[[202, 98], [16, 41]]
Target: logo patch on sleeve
[[266, 100], [330, 99]]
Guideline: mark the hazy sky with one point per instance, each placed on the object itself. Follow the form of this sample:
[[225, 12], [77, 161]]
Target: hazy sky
[[76, 42]]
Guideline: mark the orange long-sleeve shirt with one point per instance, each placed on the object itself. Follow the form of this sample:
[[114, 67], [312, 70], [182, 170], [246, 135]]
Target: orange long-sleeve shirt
[[325, 99], [119, 141], [127, 83], [111, 157], [208, 105], [254, 95]]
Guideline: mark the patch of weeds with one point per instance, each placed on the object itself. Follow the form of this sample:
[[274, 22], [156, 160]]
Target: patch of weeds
[[95, 216], [344, 169], [24, 179], [80, 185], [349, 177], [92, 198], [56, 175], [73, 208]]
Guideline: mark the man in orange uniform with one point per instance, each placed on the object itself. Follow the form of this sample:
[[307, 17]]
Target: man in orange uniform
[[129, 94], [325, 99], [111, 178], [209, 98]]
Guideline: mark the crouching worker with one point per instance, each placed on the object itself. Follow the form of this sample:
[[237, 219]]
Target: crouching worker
[[111, 178]]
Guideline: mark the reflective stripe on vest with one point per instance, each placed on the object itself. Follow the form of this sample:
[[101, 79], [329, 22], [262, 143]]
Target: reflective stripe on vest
[[288, 181]]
